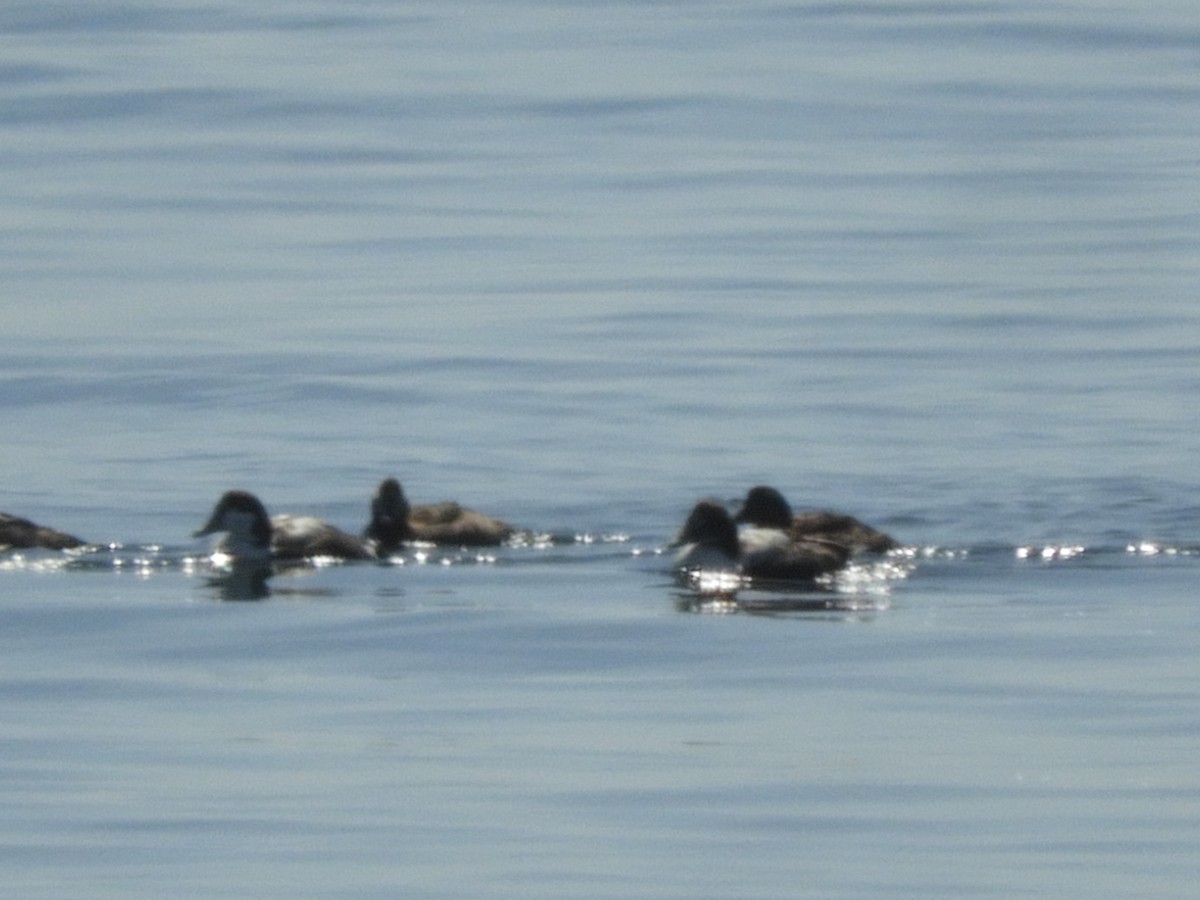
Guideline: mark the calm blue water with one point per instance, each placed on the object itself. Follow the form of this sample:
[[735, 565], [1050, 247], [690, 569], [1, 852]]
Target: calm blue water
[[579, 264]]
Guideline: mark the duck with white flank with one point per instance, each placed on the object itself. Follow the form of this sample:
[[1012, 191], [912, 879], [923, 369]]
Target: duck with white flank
[[21, 534], [252, 535], [710, 540], [394, 522], [766, 509]]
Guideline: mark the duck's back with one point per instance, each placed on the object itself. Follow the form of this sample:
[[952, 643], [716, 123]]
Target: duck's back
[[21, 534], [436, 514], [450, 523], [298, 537], [841, 529]]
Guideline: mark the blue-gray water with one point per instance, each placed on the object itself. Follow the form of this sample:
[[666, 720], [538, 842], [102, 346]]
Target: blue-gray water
[[579, 264]]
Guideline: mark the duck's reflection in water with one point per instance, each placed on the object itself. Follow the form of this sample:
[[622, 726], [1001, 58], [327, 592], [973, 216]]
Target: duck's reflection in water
[[241, 580], [723, 592]]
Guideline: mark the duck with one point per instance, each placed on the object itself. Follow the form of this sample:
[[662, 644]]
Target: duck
[[394, 521], [709, 539], [252, 535], [17, 533], [765, 508]]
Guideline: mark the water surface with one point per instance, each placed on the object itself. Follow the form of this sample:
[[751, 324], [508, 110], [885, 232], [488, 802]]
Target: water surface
[[578, 265]]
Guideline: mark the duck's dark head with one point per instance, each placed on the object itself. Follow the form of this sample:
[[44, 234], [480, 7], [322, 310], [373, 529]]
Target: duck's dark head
[[243, 516], [389, 525], [765, 507], [709, 524]]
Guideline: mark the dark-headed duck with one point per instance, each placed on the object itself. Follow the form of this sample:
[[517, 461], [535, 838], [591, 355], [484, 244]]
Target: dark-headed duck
[[252, 535], [765, 508], [394, 521], [709, 539], [21, 534]]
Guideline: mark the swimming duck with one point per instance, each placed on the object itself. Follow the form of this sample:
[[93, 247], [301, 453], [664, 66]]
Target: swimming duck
[[21, 534], [765, 508], [709, 539], [394, 521], [252, 535]]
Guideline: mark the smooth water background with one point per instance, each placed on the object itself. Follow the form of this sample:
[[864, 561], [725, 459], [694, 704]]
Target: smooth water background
[[579, 264]]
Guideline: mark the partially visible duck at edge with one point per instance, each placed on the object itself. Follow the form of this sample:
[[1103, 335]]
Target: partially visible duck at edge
[[394, 521], [765, 508], [709, 539], [21, 534], [251, 535]]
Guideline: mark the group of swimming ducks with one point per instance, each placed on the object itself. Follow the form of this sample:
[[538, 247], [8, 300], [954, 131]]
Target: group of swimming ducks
[[763, 540]]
